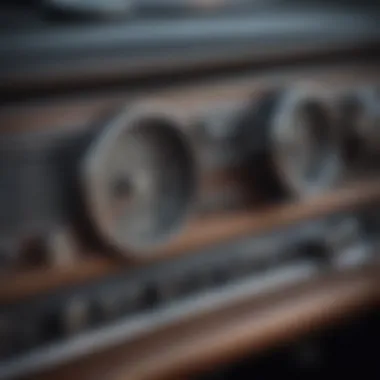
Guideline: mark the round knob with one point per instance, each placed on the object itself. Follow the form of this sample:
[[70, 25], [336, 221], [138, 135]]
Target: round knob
[[296, 134], [139, 180]]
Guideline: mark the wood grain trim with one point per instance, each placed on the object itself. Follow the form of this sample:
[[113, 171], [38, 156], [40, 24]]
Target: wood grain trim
[[81, 111], [227, 334], [198, 235], [218, 229], [18, 284]]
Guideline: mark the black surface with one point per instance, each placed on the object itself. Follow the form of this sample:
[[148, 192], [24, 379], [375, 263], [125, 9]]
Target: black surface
[[349, 348]]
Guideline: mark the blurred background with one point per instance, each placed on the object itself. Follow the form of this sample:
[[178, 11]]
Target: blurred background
[[189, 189]]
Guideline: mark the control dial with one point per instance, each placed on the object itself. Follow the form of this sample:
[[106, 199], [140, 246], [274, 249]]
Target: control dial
[[295, 132], [139, 180]]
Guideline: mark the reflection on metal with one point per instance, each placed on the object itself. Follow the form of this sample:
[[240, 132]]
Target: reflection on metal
[[76, 315], [347, 243]]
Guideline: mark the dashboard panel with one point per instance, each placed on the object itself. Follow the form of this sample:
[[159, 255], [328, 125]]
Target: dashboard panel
[[172, 200]]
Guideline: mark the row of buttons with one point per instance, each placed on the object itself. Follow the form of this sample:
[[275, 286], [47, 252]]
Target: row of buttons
[[31, 326], [79, 313]]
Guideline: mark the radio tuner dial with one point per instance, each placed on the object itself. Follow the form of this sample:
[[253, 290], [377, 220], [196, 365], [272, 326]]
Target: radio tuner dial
[[138, 180], [295, 135]]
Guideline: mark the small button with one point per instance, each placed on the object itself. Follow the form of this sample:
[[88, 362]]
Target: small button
[[75, 316], [196, 281], [133, 300], [107, 307], [169, 288], [151, 296], [115, 304], [315, 250], [220, 275]]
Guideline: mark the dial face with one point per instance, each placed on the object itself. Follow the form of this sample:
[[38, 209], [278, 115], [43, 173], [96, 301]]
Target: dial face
[[140, 182], [306, 153]]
